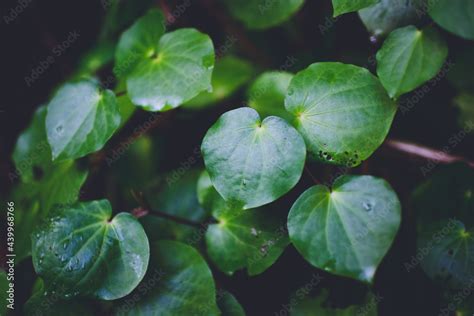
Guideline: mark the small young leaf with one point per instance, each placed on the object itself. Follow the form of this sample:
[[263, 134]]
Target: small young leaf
[[251, 239], [178, 282], [139, 42], [84, 252], [228, 76], [345, 6], [388, 15], [267, 94], [455, 16], [342, 111], [253, 162], [229, 305], [80, 120], [257, 14], [346, 230], [176, 70], [409, 57]]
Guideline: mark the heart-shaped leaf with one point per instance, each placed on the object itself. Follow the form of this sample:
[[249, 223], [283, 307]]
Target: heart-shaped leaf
[[253, 162], [409, 57], [178, 282], [176, 70], [388, 15], [139, 42], [257, 14], [455, 16], [346, 6], [342, 111], [81, 250], [346, 230], [251, 239], [229, 74], [267, 94], [80, 120]]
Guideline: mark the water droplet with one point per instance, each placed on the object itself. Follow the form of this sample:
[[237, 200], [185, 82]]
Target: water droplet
[[40, 261], [59, 129], [290, 92], [244, 182], [254, 232], [367, 206]]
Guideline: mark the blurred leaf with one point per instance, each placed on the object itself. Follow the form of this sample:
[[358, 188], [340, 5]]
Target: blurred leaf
[[346, 230], [80, 120], [454, 16], [460, 75], [342, 111], [465, 103], [410, 57], [267, 94], [253, 162], [251, 239], [178, 282], [228, 305], [81, 250], [176, 197], [98, 57], [388, 15], [229, 75], [257, 14], [346, 6]]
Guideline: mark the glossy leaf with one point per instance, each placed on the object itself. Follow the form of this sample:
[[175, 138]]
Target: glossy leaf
[[345, 6], [409, 57], [85, 252], [229, 75], [179, 282], [267, 94], [175, 195], [454, 16], [139, 42], [256, 14], [253, 162], [177, 69], [80, 120], [388, 15], [251, 239], [229, 305], [346, 230], [342, 111]]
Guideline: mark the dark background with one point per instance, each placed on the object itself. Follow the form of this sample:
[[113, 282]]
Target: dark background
[[43, 25]]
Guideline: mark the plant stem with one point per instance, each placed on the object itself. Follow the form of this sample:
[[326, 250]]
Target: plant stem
[[424, 152], [145, 209]]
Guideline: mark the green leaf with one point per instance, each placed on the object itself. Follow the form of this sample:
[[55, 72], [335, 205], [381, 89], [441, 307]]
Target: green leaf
[[32, 149], [465, 103], [388, 15], [251, 239], [4, 286], [454, 16], [139, 42], [346, 230], [80, 120], [342, 111], [83, 251], [229, 75], [176, 196], [267, 94], [308, 306], [258, 14], [178, 68], [446, 250], [444, 204], [409, 57], [253, 162], [179, 282], [228, 304], [50, 303], [345, 6]]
